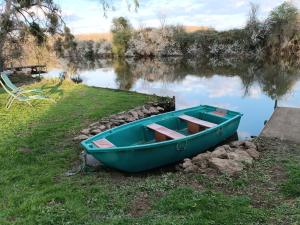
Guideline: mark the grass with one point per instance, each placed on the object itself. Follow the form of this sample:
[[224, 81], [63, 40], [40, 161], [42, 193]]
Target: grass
[[36, 149], [192, 207], [291, 187]]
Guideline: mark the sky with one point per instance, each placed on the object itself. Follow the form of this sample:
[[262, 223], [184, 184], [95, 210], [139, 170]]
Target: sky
[[87, 16]]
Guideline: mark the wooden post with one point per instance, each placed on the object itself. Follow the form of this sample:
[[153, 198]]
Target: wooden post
[[275, 104]]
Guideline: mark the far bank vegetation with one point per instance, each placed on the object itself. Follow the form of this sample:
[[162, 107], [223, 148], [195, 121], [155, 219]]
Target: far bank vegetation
[[274, 39]]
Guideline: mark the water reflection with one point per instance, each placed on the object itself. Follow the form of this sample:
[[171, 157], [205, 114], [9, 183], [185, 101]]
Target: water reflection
[[249, 87]]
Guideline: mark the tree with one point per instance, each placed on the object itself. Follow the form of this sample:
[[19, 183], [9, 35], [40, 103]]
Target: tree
[[122, 32], [283, 26], [66, 46], [253, 27], [18, 18]]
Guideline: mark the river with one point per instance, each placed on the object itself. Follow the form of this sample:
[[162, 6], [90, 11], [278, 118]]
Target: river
[[248, 87]]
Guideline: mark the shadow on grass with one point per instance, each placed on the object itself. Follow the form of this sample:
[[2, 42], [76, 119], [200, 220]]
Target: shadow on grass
[[53, 89]]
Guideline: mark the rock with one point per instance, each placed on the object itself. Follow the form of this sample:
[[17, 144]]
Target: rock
[[146, 111], [122, 121], [203, 157], [96, 131], [240, 156], [160, 109], [81, 137], [236, 144], [121, 117], [226, 166], [95, 124], [130, 119], [188, 166], [186, 163], [90, 160], [153, 111], [140, 114], [191, 168], [114, 120], [102, 127], [85, 131], [253, 153], [134, 114], [202, 164], [201, 160], [219, 152], [249, 144], [113, 117], [227, 148]]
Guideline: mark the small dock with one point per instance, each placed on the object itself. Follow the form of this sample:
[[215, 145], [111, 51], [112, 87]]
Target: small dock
[[35, 69], [283, 124]]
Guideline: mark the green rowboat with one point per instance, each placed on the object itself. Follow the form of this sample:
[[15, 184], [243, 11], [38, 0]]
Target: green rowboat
[[163, 139]]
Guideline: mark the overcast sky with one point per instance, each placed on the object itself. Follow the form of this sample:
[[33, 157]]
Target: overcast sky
[[86, 16]]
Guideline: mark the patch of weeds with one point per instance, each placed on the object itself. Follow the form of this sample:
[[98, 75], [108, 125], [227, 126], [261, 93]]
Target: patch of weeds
[[153, 184], [291, 187], [287, 213], [241, 182], [205, 180]]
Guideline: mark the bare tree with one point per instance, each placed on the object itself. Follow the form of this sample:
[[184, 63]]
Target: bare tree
[[162, 19]]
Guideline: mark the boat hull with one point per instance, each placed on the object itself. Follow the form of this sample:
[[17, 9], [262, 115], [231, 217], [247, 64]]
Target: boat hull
[[151, 156]]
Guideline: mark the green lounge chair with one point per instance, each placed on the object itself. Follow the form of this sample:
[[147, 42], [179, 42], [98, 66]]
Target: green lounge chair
[[21, 97], [14, 88]]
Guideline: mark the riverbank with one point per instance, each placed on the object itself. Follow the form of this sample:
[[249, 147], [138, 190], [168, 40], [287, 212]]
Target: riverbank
[[36, 151]]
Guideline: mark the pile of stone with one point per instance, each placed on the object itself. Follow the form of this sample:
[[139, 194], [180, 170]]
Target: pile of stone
[[228, 159], [106, 123]]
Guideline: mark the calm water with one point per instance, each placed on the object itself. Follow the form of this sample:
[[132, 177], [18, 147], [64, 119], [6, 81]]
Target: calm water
[[250, 88]]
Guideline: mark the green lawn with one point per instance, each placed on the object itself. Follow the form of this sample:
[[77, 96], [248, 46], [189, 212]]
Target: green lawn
[[36, 149]]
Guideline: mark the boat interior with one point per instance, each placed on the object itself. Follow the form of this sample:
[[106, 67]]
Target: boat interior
[[165, 128]]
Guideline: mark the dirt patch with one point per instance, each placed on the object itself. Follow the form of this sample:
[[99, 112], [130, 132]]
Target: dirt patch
[[140, 205], [278, 174], [25, 150]]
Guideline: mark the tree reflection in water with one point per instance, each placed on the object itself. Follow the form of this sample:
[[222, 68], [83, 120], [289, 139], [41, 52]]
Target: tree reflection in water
[[275, 80]]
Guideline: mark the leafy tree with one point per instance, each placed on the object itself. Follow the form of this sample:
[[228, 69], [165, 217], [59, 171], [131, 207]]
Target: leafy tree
[[283, 27], [122, 32], [38, 18]]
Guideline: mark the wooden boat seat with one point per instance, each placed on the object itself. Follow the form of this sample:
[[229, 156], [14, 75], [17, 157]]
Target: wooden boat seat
[[103, 143], [163, 133], [196, 125]]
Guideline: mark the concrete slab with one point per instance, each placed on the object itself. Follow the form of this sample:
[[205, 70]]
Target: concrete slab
[[283, 124]]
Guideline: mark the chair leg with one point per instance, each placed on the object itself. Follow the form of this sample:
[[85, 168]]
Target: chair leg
[[9, 104], [29, 103], [9, 100]]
